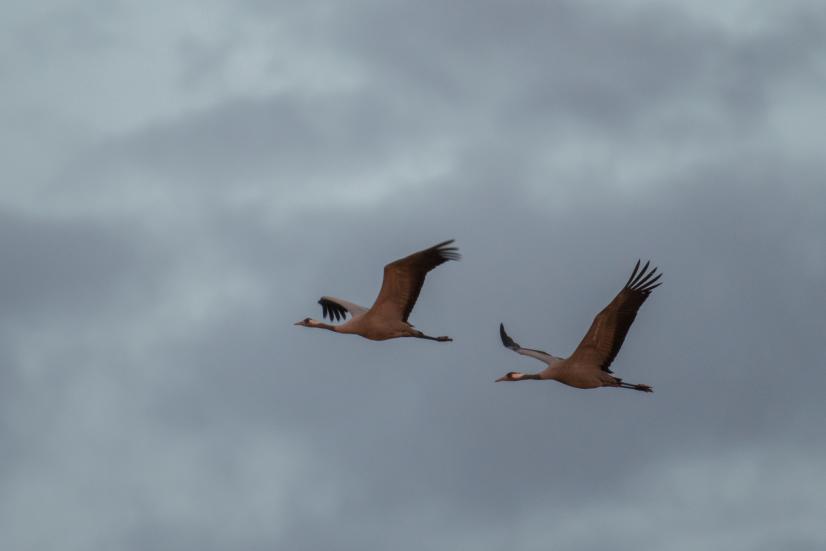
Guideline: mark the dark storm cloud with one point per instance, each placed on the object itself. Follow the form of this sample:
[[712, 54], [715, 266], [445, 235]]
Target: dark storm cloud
[[181, 408]]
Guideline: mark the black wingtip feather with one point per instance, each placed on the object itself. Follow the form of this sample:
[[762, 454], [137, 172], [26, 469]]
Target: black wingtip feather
[[448, 253], [332, 310], [643, 280], [648, 290], [640, 275], [651, 284], [506, 340], [633, 273]]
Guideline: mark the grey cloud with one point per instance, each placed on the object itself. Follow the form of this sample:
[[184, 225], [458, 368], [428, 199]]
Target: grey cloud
[[58, 268], [286, 141], [666, 79], [59, 277], [548, 63]]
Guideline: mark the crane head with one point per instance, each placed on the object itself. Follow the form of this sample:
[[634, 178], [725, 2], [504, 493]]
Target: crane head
[[511, 376]]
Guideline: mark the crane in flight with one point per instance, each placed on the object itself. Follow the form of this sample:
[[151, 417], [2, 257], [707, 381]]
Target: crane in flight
[[588, 366], [387, 318]]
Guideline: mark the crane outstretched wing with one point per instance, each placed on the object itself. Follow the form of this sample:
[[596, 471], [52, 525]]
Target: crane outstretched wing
[[510, 343], [336, 309], [403, 280], [609, 328]]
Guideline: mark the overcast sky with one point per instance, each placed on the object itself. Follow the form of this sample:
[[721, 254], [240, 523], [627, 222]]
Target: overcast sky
[[182, 181]]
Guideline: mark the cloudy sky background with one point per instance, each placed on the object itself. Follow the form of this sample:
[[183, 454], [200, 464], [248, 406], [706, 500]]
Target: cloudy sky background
[[181, 182]]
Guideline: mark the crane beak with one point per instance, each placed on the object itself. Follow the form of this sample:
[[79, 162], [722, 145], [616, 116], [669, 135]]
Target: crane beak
[[500, 379]]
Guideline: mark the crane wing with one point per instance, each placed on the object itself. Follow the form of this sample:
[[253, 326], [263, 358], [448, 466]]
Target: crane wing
[[403, 280], [510, 343], [607, 333], [337, 309]]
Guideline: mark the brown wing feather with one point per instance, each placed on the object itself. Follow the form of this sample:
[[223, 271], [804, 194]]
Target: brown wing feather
[[607, 333], [403, 280]]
